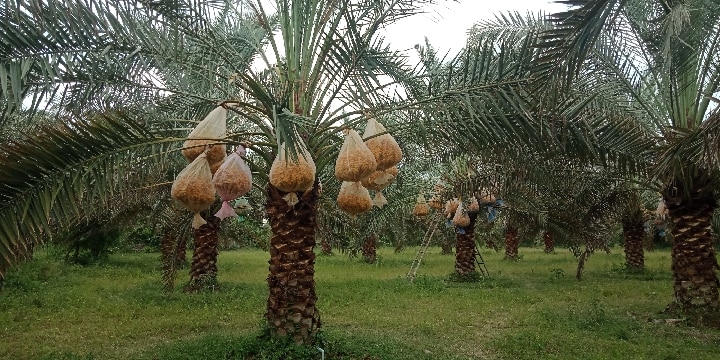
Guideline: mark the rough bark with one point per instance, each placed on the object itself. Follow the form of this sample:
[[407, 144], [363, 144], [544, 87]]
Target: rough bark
[[490, 243], [291, 311], [549, 241], [326, 247], [633, 236], [369, 249], [694, 263], [446, 246], [203, 269], [649, 243], [465, 249], [512, 243]]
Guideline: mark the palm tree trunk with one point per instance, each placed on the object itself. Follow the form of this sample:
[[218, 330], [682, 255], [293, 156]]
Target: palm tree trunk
[[490, 243], [649, 242], [326, 247], [369, 249], [511, 243], [465, 249], [203, 270], [634, 234], [446, 246], [291, 310], [694, 264], [549, 241]]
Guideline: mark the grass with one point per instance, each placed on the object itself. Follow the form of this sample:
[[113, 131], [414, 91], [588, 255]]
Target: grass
[[530, 309]]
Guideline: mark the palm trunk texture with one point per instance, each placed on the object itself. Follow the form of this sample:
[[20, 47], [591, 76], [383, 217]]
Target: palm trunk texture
[[369, 249], [549, 241], [291, 310], [694, 264], [634, 234], [326, 247], [490, 243], [446, 246], [203, 269], [649, 243], [511, 243], [465, 249]]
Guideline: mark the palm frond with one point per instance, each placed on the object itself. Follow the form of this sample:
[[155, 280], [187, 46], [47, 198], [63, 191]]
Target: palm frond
[[68, 172], [574, 35]]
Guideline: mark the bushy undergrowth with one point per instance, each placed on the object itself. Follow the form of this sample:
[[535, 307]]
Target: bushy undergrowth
[[470, 277]]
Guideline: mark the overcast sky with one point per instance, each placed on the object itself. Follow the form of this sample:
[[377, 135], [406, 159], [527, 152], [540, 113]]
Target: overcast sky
[[446, 25]]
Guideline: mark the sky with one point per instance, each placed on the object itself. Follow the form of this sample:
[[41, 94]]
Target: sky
[[446, 25]]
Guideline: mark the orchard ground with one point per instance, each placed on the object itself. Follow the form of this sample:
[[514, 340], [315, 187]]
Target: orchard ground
[[529, 309]]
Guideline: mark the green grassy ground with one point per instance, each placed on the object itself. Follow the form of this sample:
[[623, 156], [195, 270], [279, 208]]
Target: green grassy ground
[[531, 309]]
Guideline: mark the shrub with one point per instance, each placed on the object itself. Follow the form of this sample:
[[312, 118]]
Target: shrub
[[244, 231], [474, 276], [142, 238], [88, 243]]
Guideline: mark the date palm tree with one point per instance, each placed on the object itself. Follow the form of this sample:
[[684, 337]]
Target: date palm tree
[[150, 75], [662, 57], [632, 218], [151, 67], [334, 54]]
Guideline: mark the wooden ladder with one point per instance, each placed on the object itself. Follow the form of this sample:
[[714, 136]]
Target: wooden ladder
[[437, 219], [481, 262]]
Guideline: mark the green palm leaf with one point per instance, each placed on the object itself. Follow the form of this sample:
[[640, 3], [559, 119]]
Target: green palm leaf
[[64, 173]]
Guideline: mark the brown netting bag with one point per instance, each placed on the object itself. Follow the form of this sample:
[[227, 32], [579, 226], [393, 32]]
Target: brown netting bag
[[380, 179], [439, 187], [215, 166], [450, 207], [421, 207], [353, 198], [436, 199], [193, 188], [461, 218], [291, 175], [355, 160], [473, 206], [486, 197], [232, 180], [379, 199], [661, 212], [206, 135], [386, 150], [436, 202], [392, 171]]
